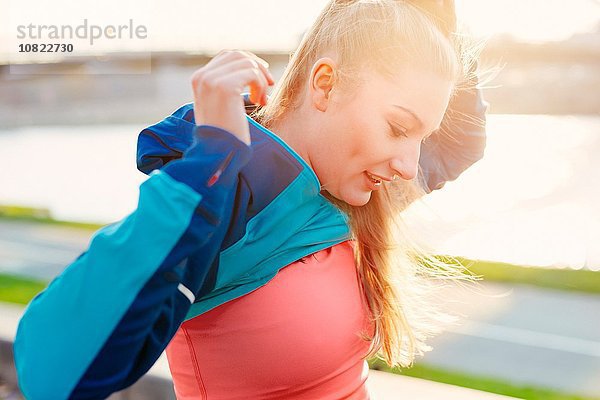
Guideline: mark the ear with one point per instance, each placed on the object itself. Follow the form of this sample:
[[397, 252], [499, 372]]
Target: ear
[[322, 79]]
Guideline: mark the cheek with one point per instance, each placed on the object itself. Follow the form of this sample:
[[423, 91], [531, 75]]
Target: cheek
[[355, 149], [365, 145], [357, 140], [348, 146]]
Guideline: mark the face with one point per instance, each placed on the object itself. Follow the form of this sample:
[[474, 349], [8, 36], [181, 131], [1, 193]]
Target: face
[[377, 127]]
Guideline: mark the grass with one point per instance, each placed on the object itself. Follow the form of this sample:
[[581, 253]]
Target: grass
[[19, 290], [486, 384], [41, 215], [563, 279]]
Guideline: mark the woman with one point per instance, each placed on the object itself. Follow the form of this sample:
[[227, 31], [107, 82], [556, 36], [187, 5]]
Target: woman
[[214, 262]]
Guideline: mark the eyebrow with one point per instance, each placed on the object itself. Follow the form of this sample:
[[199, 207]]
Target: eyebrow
[[412, 113]]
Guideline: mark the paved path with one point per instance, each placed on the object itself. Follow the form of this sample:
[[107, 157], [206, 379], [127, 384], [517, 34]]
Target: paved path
[[524, 335], [39, 250]]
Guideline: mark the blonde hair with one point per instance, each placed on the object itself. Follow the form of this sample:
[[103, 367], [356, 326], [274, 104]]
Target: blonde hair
[[395, 273]]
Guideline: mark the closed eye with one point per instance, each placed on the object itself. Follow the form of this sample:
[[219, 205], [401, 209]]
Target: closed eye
[[398, 131]]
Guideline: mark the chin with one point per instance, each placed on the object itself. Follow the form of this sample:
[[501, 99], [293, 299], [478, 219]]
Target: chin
[[357, 199]]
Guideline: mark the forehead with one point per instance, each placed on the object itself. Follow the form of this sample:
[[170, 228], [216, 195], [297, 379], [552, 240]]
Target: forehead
[[423, 92]]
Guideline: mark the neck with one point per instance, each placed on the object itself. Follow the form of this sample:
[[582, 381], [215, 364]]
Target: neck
[[295, 134]]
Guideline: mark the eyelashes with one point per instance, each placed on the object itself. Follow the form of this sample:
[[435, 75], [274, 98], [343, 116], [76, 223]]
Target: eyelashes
[[398, 131]]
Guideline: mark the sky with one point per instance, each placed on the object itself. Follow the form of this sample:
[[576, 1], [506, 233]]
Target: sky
[[530, 20], [208, 26]]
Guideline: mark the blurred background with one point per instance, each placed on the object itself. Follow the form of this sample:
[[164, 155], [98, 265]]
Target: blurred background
[[526, 217]]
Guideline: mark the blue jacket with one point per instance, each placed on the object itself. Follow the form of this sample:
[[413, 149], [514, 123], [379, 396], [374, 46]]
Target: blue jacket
[[215, 220]]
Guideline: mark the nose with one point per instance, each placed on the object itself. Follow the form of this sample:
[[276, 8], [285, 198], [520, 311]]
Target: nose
[[406, 162]]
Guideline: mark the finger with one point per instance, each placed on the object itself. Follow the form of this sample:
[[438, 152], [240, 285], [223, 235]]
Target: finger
[[258, 86], [222, 57], [239, 74], [264, 66], [226, 56], [212, 73], [240, 64], [257, 83]]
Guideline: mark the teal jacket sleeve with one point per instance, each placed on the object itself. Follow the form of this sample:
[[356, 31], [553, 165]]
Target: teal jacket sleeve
[[103, 322]]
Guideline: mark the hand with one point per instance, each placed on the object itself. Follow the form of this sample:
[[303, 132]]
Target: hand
[[217, 89]]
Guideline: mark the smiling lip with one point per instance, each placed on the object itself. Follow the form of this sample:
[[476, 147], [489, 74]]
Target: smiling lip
[[380, 178], [370, 183]]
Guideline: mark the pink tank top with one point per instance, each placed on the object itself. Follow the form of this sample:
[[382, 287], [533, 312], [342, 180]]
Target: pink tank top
[[296, 337]]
